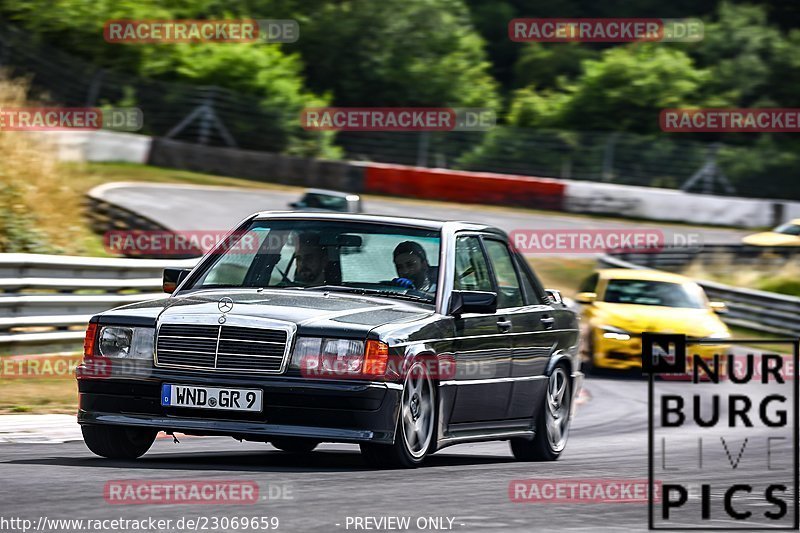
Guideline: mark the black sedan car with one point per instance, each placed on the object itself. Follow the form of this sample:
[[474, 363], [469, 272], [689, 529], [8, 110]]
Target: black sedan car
[[402, 335]]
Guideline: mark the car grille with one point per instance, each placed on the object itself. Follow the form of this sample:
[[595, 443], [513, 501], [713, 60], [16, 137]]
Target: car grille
[[221, 347]]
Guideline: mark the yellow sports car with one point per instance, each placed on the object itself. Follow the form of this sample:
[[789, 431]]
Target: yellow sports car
[[784, 235], [619, 305]]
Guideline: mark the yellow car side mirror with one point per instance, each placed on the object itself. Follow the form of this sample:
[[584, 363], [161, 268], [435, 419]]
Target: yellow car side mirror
[[718, 307], [585, 297]]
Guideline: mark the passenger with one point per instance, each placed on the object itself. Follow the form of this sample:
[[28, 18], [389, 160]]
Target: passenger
[[412, 267]]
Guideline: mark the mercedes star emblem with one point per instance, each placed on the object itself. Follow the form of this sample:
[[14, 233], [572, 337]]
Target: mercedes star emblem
[[225, 305]]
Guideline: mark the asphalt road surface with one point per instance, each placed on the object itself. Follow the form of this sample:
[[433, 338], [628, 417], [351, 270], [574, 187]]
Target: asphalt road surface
[[183, 207], [468, 484]]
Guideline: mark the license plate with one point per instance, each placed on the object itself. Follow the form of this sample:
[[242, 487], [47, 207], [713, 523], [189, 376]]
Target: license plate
[[212, 398]]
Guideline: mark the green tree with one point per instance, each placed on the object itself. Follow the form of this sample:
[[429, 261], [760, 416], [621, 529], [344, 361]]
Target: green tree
[[398, 53], [546, 64]]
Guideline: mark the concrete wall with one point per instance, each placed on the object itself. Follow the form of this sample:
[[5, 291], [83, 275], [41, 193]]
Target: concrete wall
[[675, 206], [100, 145]]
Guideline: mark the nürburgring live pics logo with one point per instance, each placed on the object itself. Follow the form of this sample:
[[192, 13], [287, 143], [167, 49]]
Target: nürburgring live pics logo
[[722, 441]]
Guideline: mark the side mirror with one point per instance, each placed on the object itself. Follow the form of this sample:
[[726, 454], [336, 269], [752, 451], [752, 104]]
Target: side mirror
[[472, 302], [172, 278], [718, 307], [296, 205], [585, 297], [555, 296]]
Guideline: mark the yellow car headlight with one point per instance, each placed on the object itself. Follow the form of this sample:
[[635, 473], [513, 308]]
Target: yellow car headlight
[[615, 333]]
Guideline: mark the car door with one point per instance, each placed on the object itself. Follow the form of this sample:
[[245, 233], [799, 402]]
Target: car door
[[481, 347], [532, 329]]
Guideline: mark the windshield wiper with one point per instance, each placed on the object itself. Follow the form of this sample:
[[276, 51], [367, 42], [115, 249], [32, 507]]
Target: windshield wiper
[[367, 291]]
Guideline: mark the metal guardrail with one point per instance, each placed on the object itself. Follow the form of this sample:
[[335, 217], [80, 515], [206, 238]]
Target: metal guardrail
[[758, 310], [46, 300], [736, 255]]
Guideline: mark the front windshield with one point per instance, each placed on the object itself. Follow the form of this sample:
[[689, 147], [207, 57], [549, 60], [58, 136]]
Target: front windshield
[[645, 292], [788, 229], [366, 258]]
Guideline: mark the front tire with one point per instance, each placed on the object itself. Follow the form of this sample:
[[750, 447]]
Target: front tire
[[552, 425], [416, 425], [118, 442], [295, 445]]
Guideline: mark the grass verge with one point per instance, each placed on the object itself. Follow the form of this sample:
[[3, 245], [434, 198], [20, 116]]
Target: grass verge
[[39, 395]]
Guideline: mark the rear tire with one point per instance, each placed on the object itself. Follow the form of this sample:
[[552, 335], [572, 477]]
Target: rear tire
[[118, 442], [416, 425], [552, 425], [295, 445]]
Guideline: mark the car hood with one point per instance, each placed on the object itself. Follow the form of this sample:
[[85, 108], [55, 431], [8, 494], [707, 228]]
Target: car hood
[[657, 319], [313, 312]]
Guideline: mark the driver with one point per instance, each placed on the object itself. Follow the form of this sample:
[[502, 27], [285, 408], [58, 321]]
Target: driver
[[311, 257], [412, 267]]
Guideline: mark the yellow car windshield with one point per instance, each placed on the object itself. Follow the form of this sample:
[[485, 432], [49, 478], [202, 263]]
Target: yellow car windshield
[[646, 292]]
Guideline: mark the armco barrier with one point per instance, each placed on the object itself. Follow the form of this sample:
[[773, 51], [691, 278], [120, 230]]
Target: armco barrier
[[460, 186], [43, 297], [721, 256]]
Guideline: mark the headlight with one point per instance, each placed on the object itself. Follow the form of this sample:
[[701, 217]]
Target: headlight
[[329, 356], [124, 342], [339, 358], [615, 333]]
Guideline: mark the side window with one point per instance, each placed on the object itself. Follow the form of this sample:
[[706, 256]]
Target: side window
[[534, 296], [509, 293], [472, 272], [589, 284]]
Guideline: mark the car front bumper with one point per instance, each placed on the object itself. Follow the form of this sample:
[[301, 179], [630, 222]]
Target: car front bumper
[[627, 355], [336, 411]]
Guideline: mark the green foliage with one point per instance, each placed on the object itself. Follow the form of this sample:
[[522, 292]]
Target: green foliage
[[18, 233], [790, 286], [266, 72], [398, 53], [625, 89], [544, 65]]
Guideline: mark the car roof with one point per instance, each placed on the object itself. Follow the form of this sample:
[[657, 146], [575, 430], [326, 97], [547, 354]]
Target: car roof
[[330, 192], [643, 274], [425, 223], [795, 221]]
